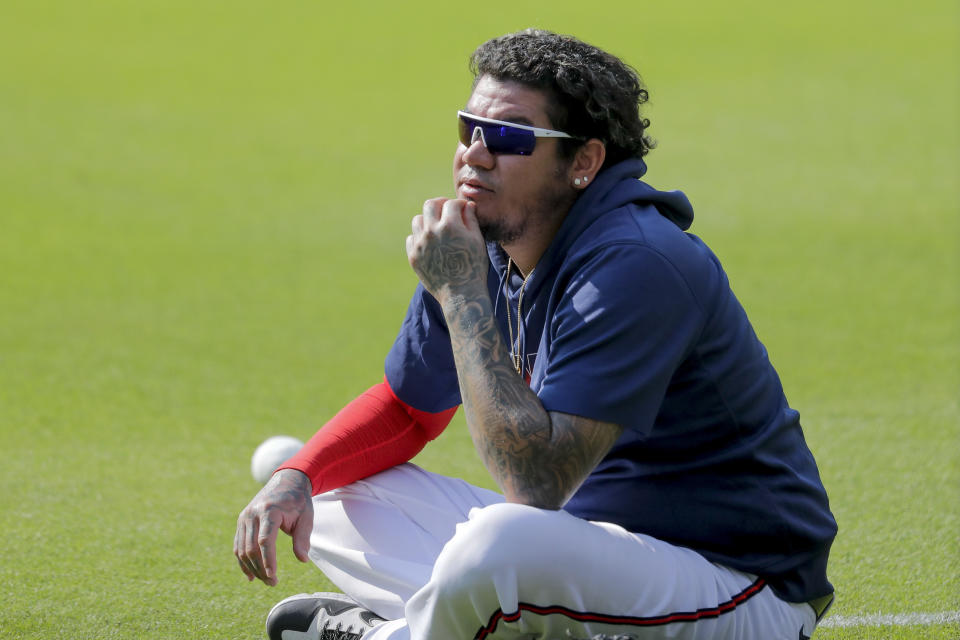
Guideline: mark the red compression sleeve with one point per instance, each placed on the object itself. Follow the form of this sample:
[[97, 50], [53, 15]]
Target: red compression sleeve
[[374, 432]]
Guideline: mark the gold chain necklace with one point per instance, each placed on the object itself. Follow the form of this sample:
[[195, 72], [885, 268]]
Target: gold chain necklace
[[515, 353]]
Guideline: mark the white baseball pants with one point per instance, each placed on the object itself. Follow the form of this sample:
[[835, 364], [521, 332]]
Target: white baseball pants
[[444, 560]]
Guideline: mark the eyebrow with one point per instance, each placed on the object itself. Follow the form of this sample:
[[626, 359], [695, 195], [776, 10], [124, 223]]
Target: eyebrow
[[514, 119]]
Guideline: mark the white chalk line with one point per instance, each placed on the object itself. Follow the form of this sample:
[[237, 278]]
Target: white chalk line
[[891, 620]]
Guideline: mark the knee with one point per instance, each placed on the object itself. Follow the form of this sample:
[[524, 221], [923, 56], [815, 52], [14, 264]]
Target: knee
[[496, 540]]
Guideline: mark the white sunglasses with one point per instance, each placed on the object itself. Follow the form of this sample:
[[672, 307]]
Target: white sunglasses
[[499, 136]]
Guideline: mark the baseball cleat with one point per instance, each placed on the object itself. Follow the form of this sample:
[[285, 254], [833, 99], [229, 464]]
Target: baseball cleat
[[319, 616]]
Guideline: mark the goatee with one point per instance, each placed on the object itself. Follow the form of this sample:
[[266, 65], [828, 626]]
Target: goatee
[[497, 231]]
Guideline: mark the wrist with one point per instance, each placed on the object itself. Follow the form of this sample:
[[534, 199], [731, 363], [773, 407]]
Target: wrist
[[454, 297], [293, 479]]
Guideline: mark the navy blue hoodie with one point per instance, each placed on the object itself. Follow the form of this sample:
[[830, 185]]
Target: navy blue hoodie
[[627, 318]]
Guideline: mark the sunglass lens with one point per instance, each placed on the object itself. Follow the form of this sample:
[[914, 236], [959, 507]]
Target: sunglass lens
[[498, 138], [510, 140], [465, 130]]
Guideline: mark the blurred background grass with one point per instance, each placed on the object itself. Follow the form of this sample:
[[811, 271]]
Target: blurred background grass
[[202, 213]]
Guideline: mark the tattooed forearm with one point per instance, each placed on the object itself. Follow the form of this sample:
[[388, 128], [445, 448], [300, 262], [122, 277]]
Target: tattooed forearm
[[577, 446], [536, 458]]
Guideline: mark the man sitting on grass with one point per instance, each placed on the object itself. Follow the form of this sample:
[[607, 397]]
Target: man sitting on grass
[[655, 482]]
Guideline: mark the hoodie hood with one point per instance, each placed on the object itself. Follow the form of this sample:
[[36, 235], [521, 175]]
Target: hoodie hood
[[614, 187], [620, 185]]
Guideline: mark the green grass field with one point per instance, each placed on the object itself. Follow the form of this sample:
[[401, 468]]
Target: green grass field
[[202, 215]]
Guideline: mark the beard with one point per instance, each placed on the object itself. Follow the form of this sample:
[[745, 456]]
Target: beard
[[500, 232], [507, 227]]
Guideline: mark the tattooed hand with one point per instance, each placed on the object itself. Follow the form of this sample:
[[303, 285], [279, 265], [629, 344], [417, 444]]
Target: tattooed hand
[[283, 504], [446, 248]]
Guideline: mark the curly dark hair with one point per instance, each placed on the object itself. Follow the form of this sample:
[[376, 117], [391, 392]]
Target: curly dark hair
[[591, 93]]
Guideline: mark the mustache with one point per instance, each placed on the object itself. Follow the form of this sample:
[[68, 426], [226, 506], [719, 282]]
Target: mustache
[[479, 178]]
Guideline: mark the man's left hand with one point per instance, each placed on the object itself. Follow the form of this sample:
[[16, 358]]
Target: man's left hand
[[446, 248]]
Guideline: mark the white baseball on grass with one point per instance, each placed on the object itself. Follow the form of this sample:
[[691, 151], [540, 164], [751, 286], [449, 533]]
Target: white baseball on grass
[[272, 453]]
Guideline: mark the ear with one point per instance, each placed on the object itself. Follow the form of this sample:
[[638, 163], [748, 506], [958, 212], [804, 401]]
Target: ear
[[586, 163]]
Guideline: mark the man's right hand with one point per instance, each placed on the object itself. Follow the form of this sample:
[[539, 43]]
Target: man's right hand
[[284, 504]]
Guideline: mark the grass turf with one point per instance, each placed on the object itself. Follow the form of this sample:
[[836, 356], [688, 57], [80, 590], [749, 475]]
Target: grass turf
[[202, 213]]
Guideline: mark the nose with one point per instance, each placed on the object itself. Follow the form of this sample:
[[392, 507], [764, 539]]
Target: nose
[[477, 153]]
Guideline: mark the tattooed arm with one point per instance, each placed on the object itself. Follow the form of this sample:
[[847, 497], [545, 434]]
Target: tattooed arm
[[535, 457]]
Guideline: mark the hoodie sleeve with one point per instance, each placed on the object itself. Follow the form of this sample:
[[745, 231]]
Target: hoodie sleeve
[[419, 367], [624, 323]]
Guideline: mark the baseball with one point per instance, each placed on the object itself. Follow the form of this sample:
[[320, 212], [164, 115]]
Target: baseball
[[272, 453]]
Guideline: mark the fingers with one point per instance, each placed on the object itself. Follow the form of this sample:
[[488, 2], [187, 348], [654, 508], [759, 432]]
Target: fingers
[[432, 209], [416, 226], [252, 552], [452, 211], [301, 535], [248, 564], [254, 545], [237, 548], [267, 545], [424, 224], [469, 217], [439, 212]]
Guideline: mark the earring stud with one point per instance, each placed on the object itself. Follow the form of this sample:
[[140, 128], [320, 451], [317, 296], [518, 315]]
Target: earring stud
[[576, 181]]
